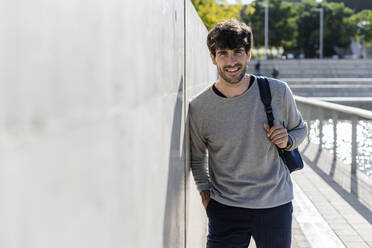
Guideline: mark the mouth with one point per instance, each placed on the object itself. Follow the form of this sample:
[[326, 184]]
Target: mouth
[[233, 70]]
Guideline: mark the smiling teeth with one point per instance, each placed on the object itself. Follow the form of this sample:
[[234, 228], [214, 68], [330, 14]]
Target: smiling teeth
[[233, 69]]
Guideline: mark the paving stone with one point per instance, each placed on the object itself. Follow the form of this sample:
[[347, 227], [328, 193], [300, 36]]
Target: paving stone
[[337, 221], [356, 245], [366, 236], [303, 244], [350, 238], [343, 229], [358, 220], [298, 238], [349, 231]]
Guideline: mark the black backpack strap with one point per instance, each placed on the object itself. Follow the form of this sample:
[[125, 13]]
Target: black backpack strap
[[265, 94]]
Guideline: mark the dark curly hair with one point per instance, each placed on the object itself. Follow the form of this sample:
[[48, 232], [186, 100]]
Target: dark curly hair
[[230, 34]]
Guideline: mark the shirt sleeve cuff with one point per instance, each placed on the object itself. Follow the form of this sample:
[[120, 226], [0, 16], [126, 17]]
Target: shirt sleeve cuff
[[204, 186], [291, 146]]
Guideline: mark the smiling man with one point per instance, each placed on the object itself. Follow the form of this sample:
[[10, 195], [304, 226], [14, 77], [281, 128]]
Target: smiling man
[[245, 187]]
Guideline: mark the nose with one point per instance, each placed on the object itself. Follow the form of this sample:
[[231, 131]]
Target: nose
[[232, 59]]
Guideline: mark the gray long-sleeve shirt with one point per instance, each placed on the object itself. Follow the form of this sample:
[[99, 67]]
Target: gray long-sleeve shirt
[[231, 154]]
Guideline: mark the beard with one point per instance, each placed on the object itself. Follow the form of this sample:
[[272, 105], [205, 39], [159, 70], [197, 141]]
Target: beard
[[235, 78]]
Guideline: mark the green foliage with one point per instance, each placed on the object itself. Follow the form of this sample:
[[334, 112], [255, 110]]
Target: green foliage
[[337, 31], [282, 23], [362, 24], [294, 26], [212, 12], [308, 28]]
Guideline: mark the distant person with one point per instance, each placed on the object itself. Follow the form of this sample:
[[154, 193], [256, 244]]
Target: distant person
[[244, 185], [275, 72], [258, 68]]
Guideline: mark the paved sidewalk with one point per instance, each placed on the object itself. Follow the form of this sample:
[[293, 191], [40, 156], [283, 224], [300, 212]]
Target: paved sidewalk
[[352, 225], [299, 239], [344, 220]]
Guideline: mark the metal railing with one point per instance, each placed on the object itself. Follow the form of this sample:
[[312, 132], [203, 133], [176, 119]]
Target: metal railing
[[339, 118]]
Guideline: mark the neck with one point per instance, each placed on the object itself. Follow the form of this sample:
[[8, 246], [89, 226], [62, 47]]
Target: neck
[[233, 90]]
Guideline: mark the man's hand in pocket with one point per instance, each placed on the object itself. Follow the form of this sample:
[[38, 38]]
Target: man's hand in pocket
[[205, 195]]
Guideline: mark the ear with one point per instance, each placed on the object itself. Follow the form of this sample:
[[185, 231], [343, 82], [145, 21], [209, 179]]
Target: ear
[[213, 58], [249, 56]]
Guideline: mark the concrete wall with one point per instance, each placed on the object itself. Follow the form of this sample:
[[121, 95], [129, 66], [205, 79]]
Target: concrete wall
[[200, 72], [92, 122]]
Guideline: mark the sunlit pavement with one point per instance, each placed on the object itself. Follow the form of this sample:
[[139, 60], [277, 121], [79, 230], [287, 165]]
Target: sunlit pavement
[[325, 219], [336, 222]]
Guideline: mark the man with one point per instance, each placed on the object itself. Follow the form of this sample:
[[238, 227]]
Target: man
[[245, 187]]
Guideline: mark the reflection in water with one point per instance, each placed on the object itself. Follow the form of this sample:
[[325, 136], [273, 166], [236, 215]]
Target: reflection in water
[[344, 140]]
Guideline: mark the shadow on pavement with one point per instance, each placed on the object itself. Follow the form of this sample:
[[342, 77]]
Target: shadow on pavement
[[347, 196]]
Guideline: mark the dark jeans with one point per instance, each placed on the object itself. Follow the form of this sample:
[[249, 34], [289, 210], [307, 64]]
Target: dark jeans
[[233, 227]]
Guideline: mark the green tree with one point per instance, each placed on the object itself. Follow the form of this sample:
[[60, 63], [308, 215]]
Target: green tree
[[294, 26], [211, 12], [308, 29], [282, 23], [337, 29], [362, 23]]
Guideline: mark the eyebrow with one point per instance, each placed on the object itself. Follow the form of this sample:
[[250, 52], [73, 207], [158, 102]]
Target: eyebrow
[[236, 50]]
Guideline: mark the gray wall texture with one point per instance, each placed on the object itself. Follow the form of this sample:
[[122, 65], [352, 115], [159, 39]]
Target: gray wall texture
[[93, 126]]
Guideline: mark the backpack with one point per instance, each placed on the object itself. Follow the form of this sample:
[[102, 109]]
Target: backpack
[[292, 158]]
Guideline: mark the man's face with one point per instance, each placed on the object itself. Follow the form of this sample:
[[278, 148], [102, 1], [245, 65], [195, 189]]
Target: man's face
[[231, 64]]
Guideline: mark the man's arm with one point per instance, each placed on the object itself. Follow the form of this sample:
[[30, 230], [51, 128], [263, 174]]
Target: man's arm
[[296, 127], [198, 154], [291, 136]]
